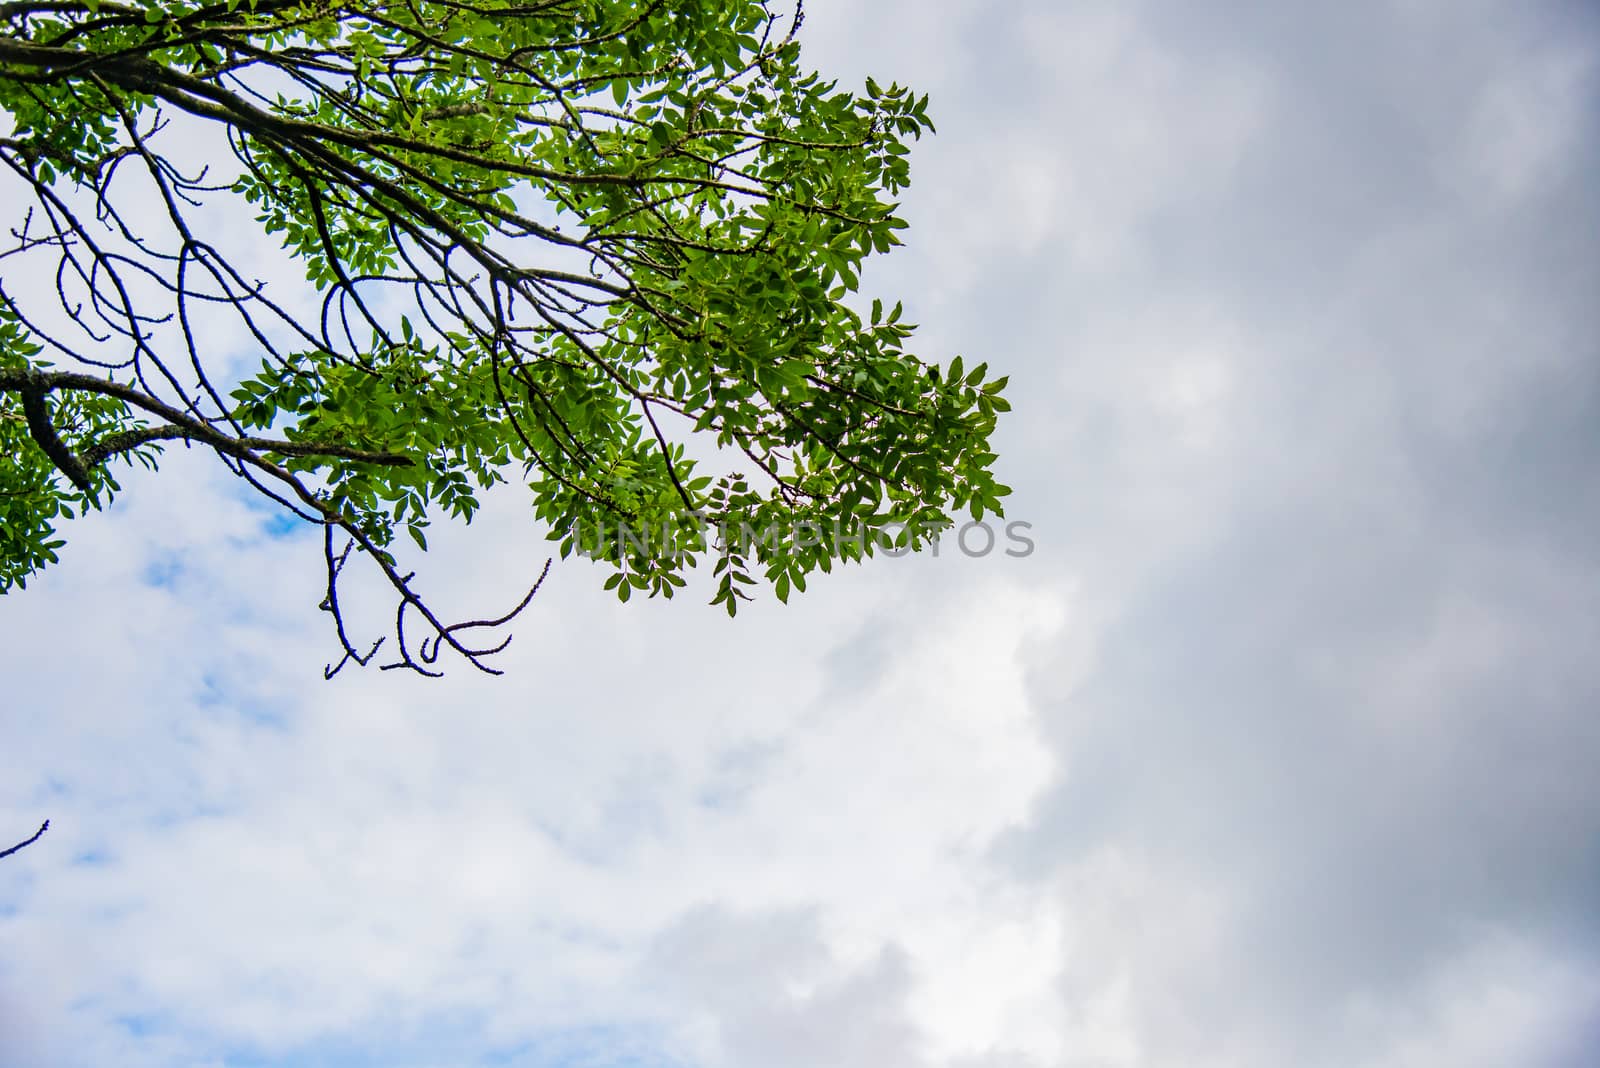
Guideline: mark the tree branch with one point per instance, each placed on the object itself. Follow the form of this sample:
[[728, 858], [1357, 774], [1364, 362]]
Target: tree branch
[[23, 845], [33, 385], [44, 435], [132, 439]]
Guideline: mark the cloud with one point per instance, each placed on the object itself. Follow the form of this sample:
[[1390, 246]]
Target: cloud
[[1329, 745], [766, 989]]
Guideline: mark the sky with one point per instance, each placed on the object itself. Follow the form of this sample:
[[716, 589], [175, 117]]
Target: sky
[[1278, 749]]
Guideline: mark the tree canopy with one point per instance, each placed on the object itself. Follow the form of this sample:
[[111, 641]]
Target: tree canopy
[[609, 249]]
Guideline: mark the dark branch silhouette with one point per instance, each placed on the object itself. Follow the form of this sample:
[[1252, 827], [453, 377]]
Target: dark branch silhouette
[[23, 845]]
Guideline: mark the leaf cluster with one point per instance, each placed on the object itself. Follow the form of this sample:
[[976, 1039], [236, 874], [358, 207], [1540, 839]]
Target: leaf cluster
[[581, 244]]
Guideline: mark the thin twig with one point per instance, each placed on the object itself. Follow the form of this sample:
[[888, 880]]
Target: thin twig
[[23, 845]]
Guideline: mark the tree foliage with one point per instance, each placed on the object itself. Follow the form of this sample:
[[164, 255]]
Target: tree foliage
[[559, 242]]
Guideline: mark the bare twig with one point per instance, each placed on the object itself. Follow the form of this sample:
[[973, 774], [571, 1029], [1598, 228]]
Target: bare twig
[[23, 845]]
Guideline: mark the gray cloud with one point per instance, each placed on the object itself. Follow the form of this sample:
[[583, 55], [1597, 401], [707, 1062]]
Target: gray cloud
[[1348, 691], [769, 991]]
